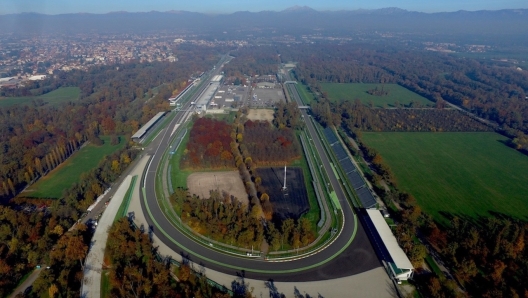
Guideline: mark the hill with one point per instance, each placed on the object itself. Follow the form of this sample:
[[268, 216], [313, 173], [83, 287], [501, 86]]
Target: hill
[[509, 23]]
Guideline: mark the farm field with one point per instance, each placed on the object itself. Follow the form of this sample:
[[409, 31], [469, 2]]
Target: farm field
[[61, 95], [52, 185], [467, 174], [397, 93]]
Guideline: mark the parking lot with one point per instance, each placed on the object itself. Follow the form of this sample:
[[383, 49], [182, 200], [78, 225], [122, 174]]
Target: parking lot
[[228, 97], [266, 97]]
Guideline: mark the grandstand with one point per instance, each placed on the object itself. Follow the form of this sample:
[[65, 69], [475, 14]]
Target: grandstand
[[399, 265], [138, 136], [364, 194]]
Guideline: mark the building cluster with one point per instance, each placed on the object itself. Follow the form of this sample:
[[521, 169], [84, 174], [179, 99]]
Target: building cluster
[[453, 47], [24, 57]]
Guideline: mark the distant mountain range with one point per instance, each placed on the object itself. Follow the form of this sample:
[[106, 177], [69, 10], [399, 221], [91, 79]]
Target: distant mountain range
[[297, 19]]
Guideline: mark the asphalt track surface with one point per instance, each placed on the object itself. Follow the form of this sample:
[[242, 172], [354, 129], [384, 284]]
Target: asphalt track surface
[[339, 259]]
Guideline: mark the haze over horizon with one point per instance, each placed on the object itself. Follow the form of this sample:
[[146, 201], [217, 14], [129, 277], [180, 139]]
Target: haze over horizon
[[230, 6]]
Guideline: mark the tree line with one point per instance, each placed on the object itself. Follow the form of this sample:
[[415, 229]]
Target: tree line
[[355, 116]]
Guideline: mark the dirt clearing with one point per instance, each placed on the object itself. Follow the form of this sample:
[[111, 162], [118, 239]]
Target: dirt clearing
[[201, 183], [260, 114]]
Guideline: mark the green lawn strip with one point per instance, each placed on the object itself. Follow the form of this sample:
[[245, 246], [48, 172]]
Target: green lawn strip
[[319, 177], [241, 268], [306, 96], [339, 92], [327, 190], [156, 131], [59, 96], [179, 176], [123, 208], [105, 284], [314, 213], [69, 172], [467, 174], [432, 264]]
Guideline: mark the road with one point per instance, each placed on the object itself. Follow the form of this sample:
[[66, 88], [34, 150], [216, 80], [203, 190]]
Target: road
[[28, 282], [351, 253]]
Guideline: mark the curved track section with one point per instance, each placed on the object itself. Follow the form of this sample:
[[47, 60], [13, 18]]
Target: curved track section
[[351, 252]]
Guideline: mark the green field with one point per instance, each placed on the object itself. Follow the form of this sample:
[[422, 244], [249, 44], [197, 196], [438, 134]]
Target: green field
[[61, 95], [52, 185], [397, 94], [468, 174]]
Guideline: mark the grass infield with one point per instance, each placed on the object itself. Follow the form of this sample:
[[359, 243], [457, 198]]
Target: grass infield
[[340, 92], [467, 174], [69, 172]]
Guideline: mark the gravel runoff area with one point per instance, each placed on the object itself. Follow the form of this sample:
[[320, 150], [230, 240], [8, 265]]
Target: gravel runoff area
[[91, 286], [260, 114], [201, 183], [373, 283]]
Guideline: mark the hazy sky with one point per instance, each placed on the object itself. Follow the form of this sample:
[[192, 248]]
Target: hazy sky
[[227, 6]]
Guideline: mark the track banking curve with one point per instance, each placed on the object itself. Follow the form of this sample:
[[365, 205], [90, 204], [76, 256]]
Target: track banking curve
[[351, 252]]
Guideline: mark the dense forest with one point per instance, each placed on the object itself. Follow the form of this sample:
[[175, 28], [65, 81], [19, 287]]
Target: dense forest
[[136, 272], [268, 145], [252, 61], [66, 261], [209, 145], [489, 256], [223, 218], [115, 100]]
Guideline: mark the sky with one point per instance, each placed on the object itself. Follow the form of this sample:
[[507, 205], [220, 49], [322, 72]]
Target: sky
[[229, 6]]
